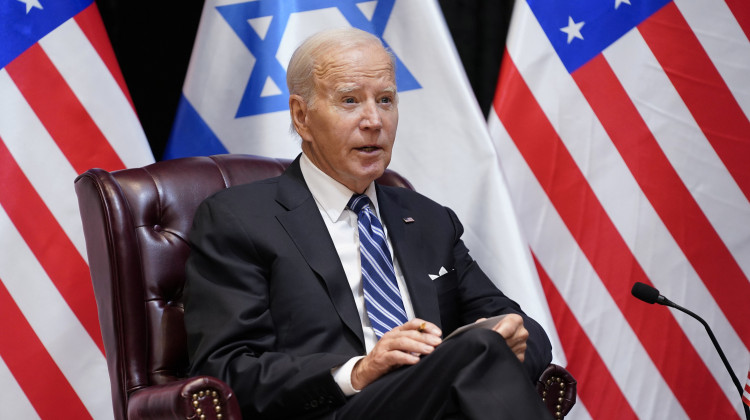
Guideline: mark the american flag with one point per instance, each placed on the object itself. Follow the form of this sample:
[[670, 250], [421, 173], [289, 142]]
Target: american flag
[[622, 128], [64, 109], [746, 390]]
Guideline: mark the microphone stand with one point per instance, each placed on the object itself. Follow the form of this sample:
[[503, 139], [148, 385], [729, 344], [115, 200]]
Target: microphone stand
[[667, 302]]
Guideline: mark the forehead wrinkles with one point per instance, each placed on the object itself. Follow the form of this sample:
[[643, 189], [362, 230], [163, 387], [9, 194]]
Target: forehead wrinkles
[[338, 71]]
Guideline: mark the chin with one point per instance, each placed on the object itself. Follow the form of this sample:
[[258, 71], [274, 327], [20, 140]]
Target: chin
[[374, 171]]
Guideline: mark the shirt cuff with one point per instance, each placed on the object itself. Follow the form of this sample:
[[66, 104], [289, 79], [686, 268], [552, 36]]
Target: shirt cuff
[[343, 376]]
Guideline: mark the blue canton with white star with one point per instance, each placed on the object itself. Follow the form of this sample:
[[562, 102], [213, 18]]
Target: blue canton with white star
[[24, 23], [264, 50], [581, 29]]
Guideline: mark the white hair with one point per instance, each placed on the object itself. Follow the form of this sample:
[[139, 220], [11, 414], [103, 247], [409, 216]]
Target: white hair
[[299, 75]]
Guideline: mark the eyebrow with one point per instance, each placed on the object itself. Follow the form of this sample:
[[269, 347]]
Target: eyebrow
[[346, 89], [350, 89]]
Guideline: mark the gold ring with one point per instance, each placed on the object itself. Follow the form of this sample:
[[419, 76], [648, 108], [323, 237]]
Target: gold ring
[[422, 327]]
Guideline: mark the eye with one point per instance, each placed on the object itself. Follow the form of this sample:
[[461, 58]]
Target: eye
[[386, 100], [349, 100]]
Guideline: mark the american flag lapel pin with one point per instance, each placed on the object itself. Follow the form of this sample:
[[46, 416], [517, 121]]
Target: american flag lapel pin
[[408, 220]]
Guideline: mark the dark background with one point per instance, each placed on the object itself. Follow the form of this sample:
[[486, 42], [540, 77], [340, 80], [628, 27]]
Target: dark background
[[153, 41]]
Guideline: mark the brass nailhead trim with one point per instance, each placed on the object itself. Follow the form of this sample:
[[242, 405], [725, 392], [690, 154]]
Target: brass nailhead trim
[[207, 393]]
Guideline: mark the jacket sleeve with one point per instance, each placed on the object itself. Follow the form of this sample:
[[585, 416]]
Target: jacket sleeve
[[479, 297], [230, 330]]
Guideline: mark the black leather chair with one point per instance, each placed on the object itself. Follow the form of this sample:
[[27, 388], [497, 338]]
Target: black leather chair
[[136, 222]]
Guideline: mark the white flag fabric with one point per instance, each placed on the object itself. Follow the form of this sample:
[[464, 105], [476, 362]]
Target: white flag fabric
[[235, 100], [622, 129], [63, 109]]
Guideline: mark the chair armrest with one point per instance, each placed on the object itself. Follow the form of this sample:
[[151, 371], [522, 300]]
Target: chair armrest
[[185, 399], [557, 387]]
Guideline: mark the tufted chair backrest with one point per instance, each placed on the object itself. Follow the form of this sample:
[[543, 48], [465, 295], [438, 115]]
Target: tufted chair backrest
[[136, 223]]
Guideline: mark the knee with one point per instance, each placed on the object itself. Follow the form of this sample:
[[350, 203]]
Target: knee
[[476, 342]]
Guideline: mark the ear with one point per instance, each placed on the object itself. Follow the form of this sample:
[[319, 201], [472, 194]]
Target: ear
[[298, 111]]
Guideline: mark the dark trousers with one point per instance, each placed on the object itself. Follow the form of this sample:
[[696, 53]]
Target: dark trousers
[[472, 376]]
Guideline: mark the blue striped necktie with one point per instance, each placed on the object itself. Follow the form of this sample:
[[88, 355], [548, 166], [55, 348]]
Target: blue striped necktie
[[382, 297]]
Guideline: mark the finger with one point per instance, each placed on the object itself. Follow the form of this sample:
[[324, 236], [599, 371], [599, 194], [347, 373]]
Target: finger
[[517, 343], [388, 354], [410, 341], [428, 335], [508, 326], [519, 347], [422, 326], [397, 358], [520, 335]]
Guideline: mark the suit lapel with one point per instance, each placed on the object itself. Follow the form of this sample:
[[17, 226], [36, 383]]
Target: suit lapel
[[305, 226], [407, 243]]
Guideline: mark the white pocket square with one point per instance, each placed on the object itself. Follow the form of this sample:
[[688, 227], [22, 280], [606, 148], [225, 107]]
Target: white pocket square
[[441, 272]]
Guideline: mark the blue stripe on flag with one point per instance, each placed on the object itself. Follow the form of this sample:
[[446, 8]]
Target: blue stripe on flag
[[602, 24], [191, 136], [20, 30]]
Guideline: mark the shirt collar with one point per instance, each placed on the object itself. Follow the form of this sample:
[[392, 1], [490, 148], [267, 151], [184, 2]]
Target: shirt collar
[[331, 195]]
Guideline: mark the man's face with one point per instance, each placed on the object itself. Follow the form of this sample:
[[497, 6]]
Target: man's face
[[349, 129]]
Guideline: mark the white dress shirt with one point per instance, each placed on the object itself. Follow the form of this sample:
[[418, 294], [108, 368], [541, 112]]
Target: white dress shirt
[[332, 198]]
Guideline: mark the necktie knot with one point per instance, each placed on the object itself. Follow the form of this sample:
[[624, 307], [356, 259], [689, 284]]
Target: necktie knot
[[358, 202]]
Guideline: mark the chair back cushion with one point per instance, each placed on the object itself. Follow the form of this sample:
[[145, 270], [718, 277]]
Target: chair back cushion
[[136, 223]]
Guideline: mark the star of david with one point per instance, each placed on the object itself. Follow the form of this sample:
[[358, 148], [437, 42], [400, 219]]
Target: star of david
[[255, 100]]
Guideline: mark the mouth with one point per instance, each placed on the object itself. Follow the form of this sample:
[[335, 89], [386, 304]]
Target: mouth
[[368, 149]]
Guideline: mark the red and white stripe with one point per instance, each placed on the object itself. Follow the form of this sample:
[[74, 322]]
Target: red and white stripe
[[63, 109], [746, 390], [635, 168]]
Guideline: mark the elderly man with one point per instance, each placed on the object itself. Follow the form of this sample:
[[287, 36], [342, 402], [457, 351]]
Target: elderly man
[[309, 306]]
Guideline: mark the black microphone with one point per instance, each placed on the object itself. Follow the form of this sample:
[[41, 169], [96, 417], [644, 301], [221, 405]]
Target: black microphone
[[649, 294], [646, 293]]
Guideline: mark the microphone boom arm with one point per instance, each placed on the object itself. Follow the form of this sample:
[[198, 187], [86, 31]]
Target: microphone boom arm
[[666, 302]]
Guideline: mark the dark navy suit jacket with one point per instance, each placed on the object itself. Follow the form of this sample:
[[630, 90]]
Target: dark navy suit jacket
[[268, 307]]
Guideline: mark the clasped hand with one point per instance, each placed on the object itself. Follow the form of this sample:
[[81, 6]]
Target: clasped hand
[[515, 334], [405, 344]]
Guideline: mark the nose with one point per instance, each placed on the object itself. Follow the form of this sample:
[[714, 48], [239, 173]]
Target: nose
[[370, 116]]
